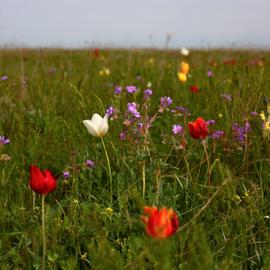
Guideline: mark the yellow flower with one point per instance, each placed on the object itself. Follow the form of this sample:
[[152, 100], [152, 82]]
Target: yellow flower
[[262, 115], [220, 115], [182, 77], [184, 67]]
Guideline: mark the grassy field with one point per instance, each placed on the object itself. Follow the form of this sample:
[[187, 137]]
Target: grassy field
[[219, 187]]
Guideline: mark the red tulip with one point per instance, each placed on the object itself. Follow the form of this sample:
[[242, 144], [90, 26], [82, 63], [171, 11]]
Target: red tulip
[[198, 129], [41, 182], [194, 89], [96, 52], [160, 224]]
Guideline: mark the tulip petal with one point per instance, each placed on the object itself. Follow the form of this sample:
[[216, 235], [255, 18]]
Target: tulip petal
[[92, 129]]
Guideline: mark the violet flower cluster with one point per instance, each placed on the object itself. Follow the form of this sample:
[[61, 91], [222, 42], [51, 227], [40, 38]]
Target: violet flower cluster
[[240, 132], [4, 140]]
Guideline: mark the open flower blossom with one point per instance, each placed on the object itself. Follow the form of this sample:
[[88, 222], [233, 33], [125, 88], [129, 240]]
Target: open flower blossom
[[184, 52], [160, 224], [194, 89], [198, 129], [41, 182], [97, 126], [182, 77], [184, 67]]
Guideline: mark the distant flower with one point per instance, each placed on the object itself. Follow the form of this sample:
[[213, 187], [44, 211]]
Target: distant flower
[[160, 224], [132, 108], [165, 101], [194, 89], [4, 140], [131, 89], [227, 97], [41, 182], [210, 73], [198, 129], [117, 90], [149, 85], [184, 67], [217, 134], [180, 109], [182, 77], [240, 132], [147, 93], [122, 136], [66, 174], [96, 52], [4, 78], [97, 126], [177, 130], [254, 113], [210, 122], [90, 163], [184, 52], [110, 111], [104, 72]]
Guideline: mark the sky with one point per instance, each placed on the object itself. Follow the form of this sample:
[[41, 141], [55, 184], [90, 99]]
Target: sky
[[140, 23]]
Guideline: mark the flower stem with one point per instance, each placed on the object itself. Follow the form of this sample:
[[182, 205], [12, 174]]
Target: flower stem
[[208, 163], [143, 178], [109, 168], [43, 231]]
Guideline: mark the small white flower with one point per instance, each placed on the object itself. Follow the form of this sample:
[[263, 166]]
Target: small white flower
[[185, 52], [97, 126]]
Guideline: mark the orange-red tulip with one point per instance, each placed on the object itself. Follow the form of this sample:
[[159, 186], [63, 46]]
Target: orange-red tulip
[[198, 129], [41, 182], [160, 224]]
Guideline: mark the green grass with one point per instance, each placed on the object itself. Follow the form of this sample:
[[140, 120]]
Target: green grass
[[42, 105]]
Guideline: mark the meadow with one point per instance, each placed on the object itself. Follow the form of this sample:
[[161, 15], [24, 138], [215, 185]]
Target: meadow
[[218, 186]]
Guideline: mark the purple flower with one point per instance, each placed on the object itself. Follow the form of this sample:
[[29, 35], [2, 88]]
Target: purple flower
[[4, 140], [147, 93], [66, 174], [217, 134], [177, 130], [110, 111], [122, 136], [254, 113], [240, 132], [165, 101], [227, 97], [117, 90], [210, 122], [210, 73], [180, 109], [4, 78], [140, 125], [90, 163], [132, 108], [131, 89]]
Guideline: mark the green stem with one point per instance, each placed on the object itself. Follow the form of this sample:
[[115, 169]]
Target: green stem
[[43, 231], [109, 168], [143, 178], [208, 163]]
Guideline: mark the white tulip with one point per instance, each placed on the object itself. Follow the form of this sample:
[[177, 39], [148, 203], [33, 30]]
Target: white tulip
[[97, 126], [185, 52]]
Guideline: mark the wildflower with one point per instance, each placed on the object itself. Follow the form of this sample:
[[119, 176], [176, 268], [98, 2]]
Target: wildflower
[[131, 89], [90, 163], [184, 67], [147, 93], [41, 182], [132, 108], [160, 224], [254, 113], [181, 110], [210, 73], [96, 52], [4, 78], [104, 72], [194, 89], [210, 122], [184, 52], [66, 174], [217, 134], [177, 130], [4, 140], [122, 136], [227, 97], [117, 90], [182, 77], [165, 101], [240, 132], [262, 115], [97, 126], [198, 129], [149, 85], [110, 111]]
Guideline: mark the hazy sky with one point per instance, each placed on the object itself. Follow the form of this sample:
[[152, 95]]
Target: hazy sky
[[126, 23]]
